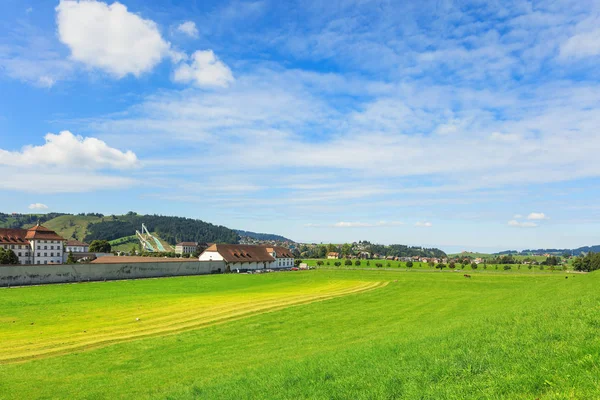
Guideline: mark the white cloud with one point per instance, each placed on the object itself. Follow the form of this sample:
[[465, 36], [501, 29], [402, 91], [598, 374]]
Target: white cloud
[[517, 216], [423, 224], [537, 216], [188, 28], [68, 150], [38, 206], [205, 70], [519, 224], [581, 45], [110, 37]]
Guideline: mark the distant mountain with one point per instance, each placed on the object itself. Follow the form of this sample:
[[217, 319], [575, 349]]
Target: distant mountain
[[576, 252], [263, 236]]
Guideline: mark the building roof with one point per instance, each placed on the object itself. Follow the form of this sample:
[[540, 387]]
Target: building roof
[[13, 236], [188, 244], [40, 232], [249, 252], [138, 259], [281, 252], [76, 243], [332, 253]]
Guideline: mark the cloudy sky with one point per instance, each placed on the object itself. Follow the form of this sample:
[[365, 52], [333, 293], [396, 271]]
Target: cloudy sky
[[457, 124]]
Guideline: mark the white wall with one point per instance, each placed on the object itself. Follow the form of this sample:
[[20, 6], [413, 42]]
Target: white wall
[[19, 275], [210, 255], [47, 251]]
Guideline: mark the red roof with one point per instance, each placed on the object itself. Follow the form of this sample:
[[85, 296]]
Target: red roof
[[13, 236], [76, 243], [248, 252], [39, 232], [188, 244]]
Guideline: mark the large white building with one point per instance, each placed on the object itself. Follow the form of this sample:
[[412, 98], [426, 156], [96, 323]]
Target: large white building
[[37, 245], [249, 257], [186, 248], [76, 246]]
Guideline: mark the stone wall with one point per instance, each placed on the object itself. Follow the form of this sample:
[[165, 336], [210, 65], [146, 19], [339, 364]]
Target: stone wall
[[19, 275]]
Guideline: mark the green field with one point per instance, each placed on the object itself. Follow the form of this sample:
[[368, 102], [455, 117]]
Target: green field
[[419, 266], [322, 334]]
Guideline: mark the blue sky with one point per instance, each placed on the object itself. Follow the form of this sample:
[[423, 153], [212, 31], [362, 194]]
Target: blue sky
[[456, 124]]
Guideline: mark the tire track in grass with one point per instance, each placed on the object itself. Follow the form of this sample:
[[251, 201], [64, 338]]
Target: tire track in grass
[[168, 322]]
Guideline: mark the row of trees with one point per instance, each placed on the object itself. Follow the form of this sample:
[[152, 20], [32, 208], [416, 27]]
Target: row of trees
[[347, 249], [589, 262]]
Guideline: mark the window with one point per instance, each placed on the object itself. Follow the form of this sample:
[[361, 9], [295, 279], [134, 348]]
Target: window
[[38, 255], [51, 247], [45, 254], [19, 254], [38, 261], [45, 262], [45, 247], [51, 254], [39, 247]]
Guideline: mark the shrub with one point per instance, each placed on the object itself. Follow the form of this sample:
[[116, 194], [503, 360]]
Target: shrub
[[379, 265], [452, 265], [319, 263], [337, 263], [484, 266], [529, 266], [474, 266], [507, 267], [357, 263], [348, 262], [541, 267], [368, 263], [409, 264], [440, 266], [328, 263], [388, 265]]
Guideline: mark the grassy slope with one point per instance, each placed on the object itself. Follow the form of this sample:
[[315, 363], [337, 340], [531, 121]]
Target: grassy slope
[[424, 335]]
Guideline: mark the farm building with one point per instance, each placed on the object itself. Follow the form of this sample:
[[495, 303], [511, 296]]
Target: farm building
[[249, 257], [37, 245], [333, 255]]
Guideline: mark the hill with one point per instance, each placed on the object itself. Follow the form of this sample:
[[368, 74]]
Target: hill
[[263, 236], [557, 252], [88, 227]]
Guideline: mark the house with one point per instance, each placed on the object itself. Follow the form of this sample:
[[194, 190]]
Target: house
[[186, 248], [333, 255], [37, 245], [76, 246], [249, 257]]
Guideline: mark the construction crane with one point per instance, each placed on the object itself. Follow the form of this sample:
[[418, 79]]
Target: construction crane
[[147, 239]]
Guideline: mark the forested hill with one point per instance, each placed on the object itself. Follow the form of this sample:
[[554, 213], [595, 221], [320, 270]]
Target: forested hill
[[263, 236], [170, 229], [88, 227], [576, 252]]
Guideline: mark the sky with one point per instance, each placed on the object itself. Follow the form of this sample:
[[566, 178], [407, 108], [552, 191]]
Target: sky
[[464, 125]]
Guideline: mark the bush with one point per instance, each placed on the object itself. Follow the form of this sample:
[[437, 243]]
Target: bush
[[529, 266], [507, 267], [541, 267], [368, 263], [409, 264], [337, 263], [440, 266], [388, 265], [357, 263], [348, 262], [379, 265], [328, 263], [474, 266], [319, 263], [452, 265]]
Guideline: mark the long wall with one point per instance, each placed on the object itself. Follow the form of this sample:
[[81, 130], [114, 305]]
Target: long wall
[[19, 275]]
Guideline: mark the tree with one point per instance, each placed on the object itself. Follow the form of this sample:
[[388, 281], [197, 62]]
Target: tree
[[297, 262], [8, 257], [409, 264], [100, 246], [440, 266], [71, 258], [133, 250], [357, 263], [473, 265], [452, 265], [348, 262], [319, 263], [346, 249], [337, 263]]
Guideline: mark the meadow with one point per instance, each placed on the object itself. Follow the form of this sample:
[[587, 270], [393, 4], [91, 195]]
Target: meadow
[[325, 333]]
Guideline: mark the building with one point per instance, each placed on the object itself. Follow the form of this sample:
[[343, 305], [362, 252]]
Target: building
[[76, 246], [37, 245], [186, 247], [333, 255], [249, 257]]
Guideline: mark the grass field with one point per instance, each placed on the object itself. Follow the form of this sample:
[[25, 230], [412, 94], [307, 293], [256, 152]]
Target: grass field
[[334, 334], [419, 266]]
